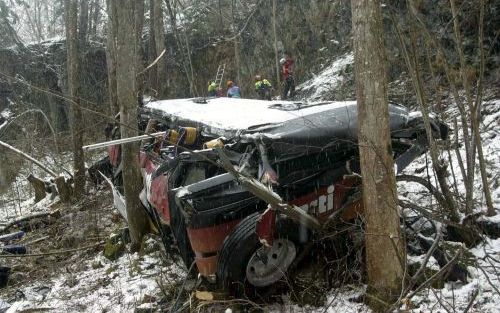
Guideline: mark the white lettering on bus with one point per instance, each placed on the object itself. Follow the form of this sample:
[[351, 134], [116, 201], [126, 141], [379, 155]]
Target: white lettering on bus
[[322, 204]]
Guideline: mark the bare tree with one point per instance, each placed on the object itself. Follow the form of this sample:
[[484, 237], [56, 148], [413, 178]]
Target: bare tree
[[160, 46], [126, 54], [71, 8], [83, 22], [184, 50], [276, 57], [384, 244], [473, 107], [139, 26], [112, 28]]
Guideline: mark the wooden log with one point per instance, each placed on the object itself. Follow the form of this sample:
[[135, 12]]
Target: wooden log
[[12, 236], [38, 186], [28, 157], [28, 218], [63, 188], [269, 196]]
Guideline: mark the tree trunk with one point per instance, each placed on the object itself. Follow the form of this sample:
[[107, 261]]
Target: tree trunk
[[237, 56], [276, 56], [94, 20], [153, 71], [159, 33], [186, 60], [126, 54], [83, 23], [384, 244], [111, 57], [71, 9], [473, 108], [139, 25]]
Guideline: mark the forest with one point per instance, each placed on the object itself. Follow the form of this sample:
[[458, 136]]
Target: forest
[[249, 156]]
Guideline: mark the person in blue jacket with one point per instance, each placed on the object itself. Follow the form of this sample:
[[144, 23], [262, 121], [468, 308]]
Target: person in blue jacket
[[233, 91]]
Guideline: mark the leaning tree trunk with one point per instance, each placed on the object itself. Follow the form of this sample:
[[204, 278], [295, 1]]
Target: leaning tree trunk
[[126, 54], [71, 9], [384, 244]]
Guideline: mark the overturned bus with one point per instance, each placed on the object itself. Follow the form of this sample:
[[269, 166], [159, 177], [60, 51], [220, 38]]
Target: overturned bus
[[243, 184]]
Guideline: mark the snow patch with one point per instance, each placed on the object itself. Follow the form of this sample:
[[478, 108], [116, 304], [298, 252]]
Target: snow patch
[[235, 114], [327, 80]]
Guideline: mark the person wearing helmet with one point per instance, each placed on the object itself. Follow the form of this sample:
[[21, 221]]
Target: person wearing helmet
[[287, 68], [263, 88], [212, 88], [233, 91]]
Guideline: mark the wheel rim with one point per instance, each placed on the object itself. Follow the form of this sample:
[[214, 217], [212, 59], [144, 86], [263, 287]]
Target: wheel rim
[[269, 264]]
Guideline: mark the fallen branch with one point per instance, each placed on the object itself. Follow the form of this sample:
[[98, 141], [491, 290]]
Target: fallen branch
[[489, 280], [36, 240], [441, 272], [10, 237], [28, 218], [269, 196], [437, 239], [154, 62], [472, 299], [422, 181], [52, 252], [28, 157], [426, 213]]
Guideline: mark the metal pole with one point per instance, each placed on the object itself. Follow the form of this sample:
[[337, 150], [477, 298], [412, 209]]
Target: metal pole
[[120, 141]]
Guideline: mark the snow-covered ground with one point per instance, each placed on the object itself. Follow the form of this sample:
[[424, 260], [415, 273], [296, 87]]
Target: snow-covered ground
[[328, 80], [100, 285], [484, 283]]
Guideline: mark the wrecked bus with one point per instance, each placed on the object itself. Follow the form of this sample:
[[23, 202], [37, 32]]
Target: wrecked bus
[[221, 173]]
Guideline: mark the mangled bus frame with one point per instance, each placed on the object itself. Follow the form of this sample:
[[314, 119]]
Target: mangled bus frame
[[215, 200]]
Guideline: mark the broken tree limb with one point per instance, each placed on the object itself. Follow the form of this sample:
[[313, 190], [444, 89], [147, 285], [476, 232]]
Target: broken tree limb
[[444, 269], [426, 213], [269, 196], [437, 239], [27, 218], [12, 236], [28, 157], [53, 252], [422, 181], [154, 62]]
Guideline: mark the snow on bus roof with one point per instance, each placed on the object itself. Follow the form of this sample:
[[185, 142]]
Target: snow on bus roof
[[236, 114]]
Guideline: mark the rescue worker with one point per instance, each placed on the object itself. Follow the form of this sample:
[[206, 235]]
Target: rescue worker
[[287, 68], [263, 88], [212, 88], [233, 91]]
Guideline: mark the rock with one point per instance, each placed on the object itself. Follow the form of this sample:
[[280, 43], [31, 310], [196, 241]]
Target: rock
[[113, 249], [148, 299], [96, 264]]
